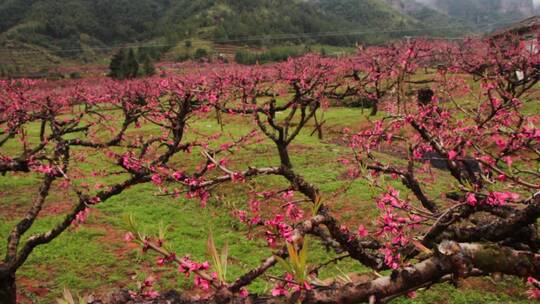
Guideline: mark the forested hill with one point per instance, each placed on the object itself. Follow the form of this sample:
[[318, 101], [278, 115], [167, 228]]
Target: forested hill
[[496, 13], [69, 27]]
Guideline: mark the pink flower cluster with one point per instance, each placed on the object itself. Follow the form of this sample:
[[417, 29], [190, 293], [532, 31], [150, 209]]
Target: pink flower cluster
[[187, 266], [493, 199], [277, 228], [534, 291], [288, 285], [146, 290], [80, 218], [395, 225]]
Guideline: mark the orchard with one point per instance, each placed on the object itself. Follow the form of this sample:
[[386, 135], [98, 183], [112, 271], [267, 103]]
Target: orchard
[[447, 155]]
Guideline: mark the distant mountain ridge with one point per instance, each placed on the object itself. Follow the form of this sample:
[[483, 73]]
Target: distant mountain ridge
[[431, 17], [60, 23], [75, 28], [483, 11]]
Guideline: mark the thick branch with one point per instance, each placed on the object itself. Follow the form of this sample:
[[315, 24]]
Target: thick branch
[[453, 258]]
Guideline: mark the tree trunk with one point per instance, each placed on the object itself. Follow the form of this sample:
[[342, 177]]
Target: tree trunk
[[8, 289], [284, 156], [374, 108]]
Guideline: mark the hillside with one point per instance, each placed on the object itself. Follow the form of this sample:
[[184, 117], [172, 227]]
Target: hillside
[[436, 22], [65, 28], [75, 28], [247, 21], [60, 24], [45, 35], [486, 15]]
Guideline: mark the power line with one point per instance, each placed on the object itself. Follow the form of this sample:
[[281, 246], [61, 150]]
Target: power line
[[285, 36], [37, 62]]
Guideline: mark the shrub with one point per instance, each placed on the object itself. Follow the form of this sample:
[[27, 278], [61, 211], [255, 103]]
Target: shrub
[[200, 54]]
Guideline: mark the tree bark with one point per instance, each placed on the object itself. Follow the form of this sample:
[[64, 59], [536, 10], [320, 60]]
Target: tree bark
[[284, 155], [451, 261], [457, 259], [374, 108], [8, 289]]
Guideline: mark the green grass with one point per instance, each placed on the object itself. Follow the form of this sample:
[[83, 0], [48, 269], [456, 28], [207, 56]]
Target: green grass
[[94, 257]]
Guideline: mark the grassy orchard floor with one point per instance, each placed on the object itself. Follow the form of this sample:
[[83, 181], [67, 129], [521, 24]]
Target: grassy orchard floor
[[94, 258]]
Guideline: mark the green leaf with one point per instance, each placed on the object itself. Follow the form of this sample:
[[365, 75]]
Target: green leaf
[[317, 205], [224, 260], [285, 265], [293, 255], [304, 254], [218, 260], [162, 230], [212, 251]]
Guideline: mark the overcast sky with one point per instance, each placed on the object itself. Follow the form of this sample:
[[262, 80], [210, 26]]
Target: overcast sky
[[536, 2]]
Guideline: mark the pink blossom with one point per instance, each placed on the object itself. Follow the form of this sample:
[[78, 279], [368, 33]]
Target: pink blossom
[[501, 198], [152, 294], [271, 239], [255, 220], [45, 169], [279, 290], [533, 293], [471, 199], [241, 215], [353, 173], [487, 159], [391, 259], [238, 177], [288, 195], [225, 146], [254, 205], [344, 161], [149, 281], [160, 261], [500, 142], [205, 265], [81, 217], [129, 237], [184, 270], [178, 175], [202, 283], [362, 231], [293, 212], [508, 160], [157, 180], [243, 293]]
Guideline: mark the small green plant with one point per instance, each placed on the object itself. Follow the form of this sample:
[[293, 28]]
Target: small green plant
[[297, 264], [200, 54], [68, 298], [75, 75], [316, 205], [219, 259], [139, 236]]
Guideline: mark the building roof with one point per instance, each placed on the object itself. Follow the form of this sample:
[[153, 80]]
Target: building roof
[[520, 27]]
